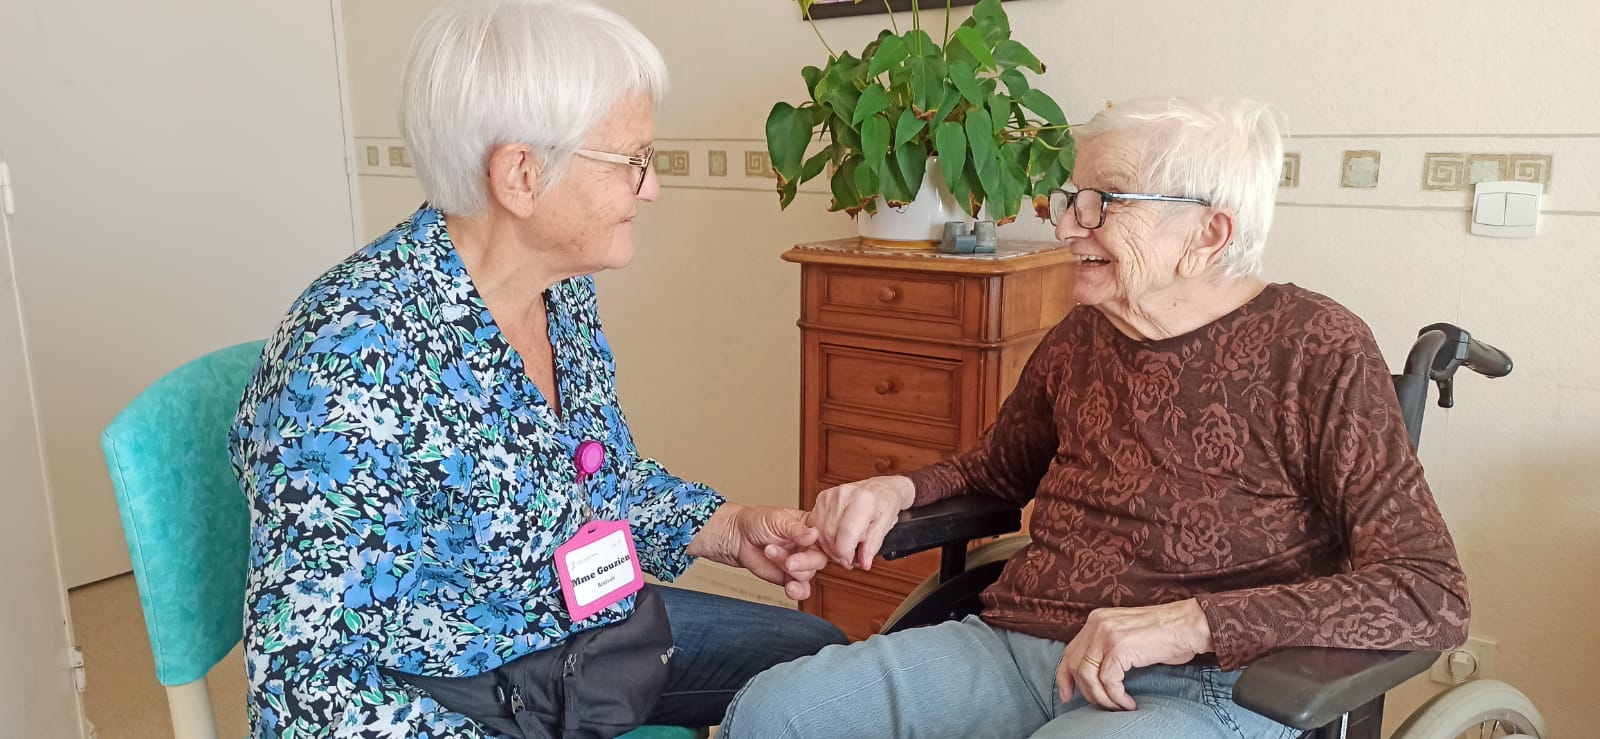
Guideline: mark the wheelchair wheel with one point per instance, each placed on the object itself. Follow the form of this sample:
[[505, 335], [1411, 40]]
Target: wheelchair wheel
[[1486, 708], [932, 602]]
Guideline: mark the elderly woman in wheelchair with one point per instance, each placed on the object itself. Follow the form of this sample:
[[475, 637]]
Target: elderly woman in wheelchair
[[1218, 468]]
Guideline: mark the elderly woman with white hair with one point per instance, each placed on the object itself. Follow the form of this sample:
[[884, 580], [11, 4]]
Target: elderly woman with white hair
[[450, 524], [1218, 468]]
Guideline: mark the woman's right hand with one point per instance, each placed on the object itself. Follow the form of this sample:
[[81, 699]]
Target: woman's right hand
[[853, 518]]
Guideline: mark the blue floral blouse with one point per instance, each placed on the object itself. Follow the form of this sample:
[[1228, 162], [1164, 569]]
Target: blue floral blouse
[[409, 485]]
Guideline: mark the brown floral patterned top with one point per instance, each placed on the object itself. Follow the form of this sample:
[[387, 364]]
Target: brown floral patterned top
[[1259, 464]]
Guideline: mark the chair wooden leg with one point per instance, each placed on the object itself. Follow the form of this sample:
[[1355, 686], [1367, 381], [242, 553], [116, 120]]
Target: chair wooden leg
[[190, 704]]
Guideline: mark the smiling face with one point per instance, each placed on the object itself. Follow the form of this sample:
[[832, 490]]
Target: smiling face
[[1144, 255]]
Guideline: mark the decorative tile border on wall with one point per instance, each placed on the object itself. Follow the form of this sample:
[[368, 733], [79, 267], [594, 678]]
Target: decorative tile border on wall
[[672, 162], [1458, 171], [383, 157], [1449, 166], [723, 164], [1291, 170], [1360, 168]]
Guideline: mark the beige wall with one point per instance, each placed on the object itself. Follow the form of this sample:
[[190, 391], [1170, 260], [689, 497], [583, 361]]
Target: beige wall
[[703, 323], [180, 178]]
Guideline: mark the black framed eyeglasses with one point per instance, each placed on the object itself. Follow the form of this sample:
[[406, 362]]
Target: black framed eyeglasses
[[1089, 205], [642, 161]]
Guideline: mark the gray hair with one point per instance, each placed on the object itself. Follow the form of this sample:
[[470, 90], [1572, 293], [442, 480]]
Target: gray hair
[[1228, 151], [485, 73]]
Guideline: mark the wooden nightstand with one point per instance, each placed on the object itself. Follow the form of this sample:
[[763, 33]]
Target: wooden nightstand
[[907, 356]]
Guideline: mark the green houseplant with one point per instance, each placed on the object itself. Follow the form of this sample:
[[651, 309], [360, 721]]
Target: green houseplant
[[964, 98]]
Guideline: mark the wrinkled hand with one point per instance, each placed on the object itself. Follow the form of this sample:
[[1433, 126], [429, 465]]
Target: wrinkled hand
[[853, 518], [775, 544], [1122, 639]]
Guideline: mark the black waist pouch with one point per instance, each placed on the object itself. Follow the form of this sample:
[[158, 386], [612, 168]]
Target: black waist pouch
[[595, 685]]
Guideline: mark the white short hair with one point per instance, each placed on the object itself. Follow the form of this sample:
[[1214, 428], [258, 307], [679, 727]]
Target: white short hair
[[1228, 151], [485, 73]]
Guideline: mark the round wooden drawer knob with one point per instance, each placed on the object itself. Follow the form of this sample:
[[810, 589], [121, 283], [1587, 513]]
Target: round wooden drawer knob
[[884, 387], [883, 464], [887, 294]]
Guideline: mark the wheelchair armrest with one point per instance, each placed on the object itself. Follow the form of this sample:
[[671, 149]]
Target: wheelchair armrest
[[955, 520], [1309, 687]]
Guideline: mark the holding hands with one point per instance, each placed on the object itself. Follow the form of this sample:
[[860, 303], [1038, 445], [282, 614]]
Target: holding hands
[[853, 518], [775, 544]]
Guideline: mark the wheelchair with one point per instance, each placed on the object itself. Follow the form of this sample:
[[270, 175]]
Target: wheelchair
[[1326, 693]]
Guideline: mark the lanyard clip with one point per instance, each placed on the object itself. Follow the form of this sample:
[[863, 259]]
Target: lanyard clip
[[588, 459]]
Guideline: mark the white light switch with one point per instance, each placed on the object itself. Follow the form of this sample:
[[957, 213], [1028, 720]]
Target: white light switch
[[1507, 210]]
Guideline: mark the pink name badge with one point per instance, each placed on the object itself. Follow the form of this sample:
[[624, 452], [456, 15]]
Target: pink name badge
[[598, 567]]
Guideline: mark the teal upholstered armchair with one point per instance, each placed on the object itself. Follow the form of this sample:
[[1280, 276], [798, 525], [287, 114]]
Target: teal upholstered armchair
[[188, 526]]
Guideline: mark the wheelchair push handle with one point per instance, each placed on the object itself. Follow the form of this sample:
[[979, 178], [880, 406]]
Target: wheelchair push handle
[[1443, 348], [1487, 360]]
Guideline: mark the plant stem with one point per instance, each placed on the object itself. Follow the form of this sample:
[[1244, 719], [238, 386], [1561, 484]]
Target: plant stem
[[916, 22], [818, 31], [1036, 129], [892, 24], [946, 22]]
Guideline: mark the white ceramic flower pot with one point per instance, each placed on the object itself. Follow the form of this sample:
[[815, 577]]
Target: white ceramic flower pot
[[918, 225]]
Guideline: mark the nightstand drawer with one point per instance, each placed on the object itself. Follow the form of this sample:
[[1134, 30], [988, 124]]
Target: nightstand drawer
[[879, 382], [852, 455], [907, 303], [858, 610]]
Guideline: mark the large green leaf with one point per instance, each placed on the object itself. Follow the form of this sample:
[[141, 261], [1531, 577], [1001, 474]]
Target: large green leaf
[[965, 77], [814, 165], [845, 196], [1016, 84], [907, 127], [1013, 182], [891, 51], [927, 79], [951, 142], [1011, 54], [786, 193], [1068, 154], [990, 20], [875, 140], [866, 181], [919, 43], [812, 75], [872, 102], [981, 144], [947, 104], [1040, 156], [974, 43], [787, 136], [957, 185], [971, 193], [893, 186], [999, 111], [1040, 103], [911, 164], [838, 88], [847, 138]]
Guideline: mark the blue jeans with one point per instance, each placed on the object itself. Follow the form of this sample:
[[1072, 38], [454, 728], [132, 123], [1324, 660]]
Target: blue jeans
[[720, 644], [967, 679]]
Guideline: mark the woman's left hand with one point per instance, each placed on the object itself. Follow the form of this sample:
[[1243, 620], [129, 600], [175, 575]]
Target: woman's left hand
[[1116, 640], [775, 544]]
